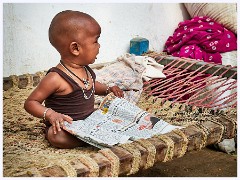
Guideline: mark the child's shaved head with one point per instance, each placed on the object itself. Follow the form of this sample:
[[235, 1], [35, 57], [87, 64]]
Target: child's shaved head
[[66, 25]]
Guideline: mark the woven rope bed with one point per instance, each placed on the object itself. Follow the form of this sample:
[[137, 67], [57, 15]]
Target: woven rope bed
[[26, 153]]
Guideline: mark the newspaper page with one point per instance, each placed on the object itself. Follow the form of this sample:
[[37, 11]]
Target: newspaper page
[[117, 121]]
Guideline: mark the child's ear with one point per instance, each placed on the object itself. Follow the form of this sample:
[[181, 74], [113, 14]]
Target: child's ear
[[74, 48]]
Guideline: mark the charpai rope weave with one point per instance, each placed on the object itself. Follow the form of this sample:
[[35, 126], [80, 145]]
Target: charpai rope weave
[[194, 82], [183, 114], [170, 146], [222, 129], [67, 167], [184, 143], [204, 135], [136, 156], [91, 164], [151, 151], [114, 160]]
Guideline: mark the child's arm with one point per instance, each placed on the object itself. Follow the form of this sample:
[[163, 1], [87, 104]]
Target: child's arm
[[102, 89], [49, 84]]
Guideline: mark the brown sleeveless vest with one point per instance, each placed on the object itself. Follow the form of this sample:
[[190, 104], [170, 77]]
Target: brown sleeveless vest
[[73, 104]]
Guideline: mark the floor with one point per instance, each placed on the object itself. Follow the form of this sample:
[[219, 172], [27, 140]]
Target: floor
[[204, 163]]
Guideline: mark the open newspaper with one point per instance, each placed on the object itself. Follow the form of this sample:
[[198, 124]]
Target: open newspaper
[[117, 121]]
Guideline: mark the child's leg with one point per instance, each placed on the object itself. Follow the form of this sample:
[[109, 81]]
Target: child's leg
[[63, 139]]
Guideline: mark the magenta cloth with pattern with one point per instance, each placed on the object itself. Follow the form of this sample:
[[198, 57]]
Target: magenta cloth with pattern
[[201, 38]]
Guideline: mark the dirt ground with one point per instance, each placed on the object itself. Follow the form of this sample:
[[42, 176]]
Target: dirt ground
[[204, 163], [24, 146]]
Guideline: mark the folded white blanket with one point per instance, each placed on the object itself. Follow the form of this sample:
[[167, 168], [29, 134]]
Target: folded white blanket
[[128, 72], [153, 69]]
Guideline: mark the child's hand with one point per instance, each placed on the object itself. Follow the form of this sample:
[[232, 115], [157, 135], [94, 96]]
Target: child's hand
[[117, 91], [57, 121]]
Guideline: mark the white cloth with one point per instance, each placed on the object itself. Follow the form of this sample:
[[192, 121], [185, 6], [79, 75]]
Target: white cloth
[[227, 145], [128, 73], [152, 68], [124, 73]]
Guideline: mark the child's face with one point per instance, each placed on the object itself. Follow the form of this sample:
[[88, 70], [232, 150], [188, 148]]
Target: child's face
[[90, 46]]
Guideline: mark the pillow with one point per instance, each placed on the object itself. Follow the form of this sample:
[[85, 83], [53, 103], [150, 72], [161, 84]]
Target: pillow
[[223, 13]]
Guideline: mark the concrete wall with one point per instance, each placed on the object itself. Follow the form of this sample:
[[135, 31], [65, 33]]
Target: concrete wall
[[26, 48]]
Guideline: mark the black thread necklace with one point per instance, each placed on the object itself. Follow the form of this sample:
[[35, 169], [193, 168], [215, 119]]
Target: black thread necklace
[[83, 80]]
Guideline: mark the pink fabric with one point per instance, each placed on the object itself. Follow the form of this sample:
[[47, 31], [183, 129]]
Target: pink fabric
[[201, 38]]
